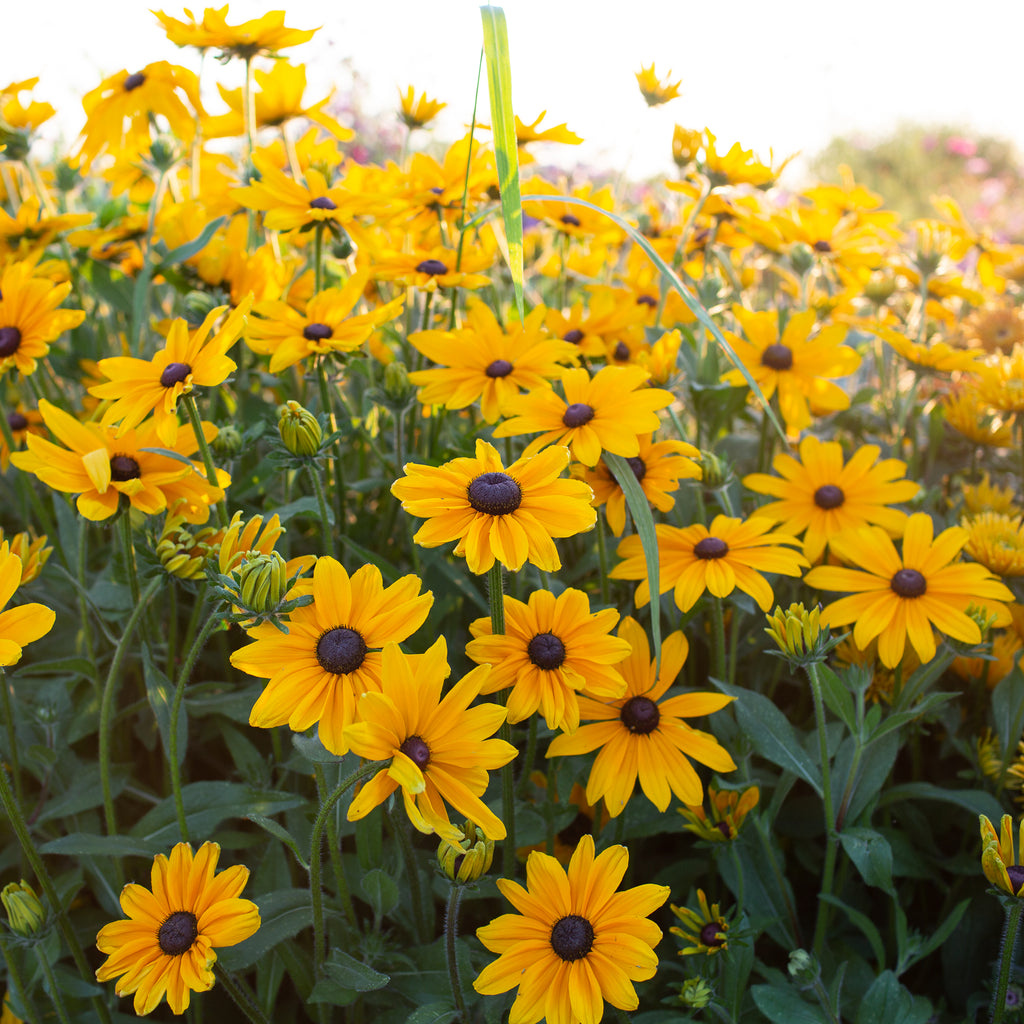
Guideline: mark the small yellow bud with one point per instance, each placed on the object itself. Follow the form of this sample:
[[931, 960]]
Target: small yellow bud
[[299, 429], [686, 145], [797, 632], [25, 913], [262, 582], [696, 993], [469, 859]]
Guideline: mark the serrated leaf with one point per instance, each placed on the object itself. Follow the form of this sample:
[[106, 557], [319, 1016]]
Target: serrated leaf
[[889, 1002]]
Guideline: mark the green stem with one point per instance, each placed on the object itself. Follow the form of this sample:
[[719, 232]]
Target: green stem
[[1006, 961], [738, 865], [110, 688], [496, 601], [602, 557], [241, 995], [828, 875], [125, 529], [15, 982], [315, 892], [400, 827], [83, 603], [321, 500], [17, 820], [531, 754], [451, 931], [12, 736], [51, 983], [189, 402], [173, 762], [717, 638], [318, 258], [334, 851]]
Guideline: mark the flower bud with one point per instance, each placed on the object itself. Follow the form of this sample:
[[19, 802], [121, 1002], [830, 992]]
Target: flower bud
[[163, 153], [801, 256], [228, 443], [396, 382], [717, 470], [879, 288], [802, 967], [796, 631], [198, 306], [695, 993], [686, 145], [25, 914], [299, 429], [262, 582], [469, 859]]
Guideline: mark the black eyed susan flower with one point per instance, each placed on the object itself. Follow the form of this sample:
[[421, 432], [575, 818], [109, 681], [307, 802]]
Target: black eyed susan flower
[[707, 932], [606, 412], [823, 495], [899, 597], [552, 649], [996, 540], [575, 942], [264, 35], [433, 267], [527, 133], [417, 111], [641, 738], [21, 421], [331, 652], [32, 551], [728, 810], [189, 359], [729, 554], [656, 92], [969, 414], [439, 749], [24, 623], [1000, 863], [509, 515], [986, 496], [29, 317], [167, 944]]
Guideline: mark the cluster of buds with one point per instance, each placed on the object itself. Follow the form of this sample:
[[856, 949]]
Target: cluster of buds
[[799, 635], [301, 432], [464, 862]]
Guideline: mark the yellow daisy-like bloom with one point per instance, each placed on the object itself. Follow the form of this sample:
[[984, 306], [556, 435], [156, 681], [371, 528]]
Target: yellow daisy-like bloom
[[938, 356], [326, 326], [1000, 862], [729, 809], [606, 412], [433, 268], [331, 652], [656, 92], [27, 622], [994, 330], [527, 133], [707, 932], [143, 386], [167, 944], [1000, 382], [969, 414], [658, 468], [417, 111], [29, 317], [996, 540], [22, 421], [100, 467], [33, 552], [552, 648], [985, 496], [641, 738], [439, 749], [495, 513], [795, 365], [575, 941], [999, 663], [824, 496], [899, 597], [486, 363], [730, 553], [265, 35]]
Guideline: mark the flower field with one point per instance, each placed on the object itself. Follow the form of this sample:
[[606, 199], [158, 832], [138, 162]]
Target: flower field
[[439, 590]]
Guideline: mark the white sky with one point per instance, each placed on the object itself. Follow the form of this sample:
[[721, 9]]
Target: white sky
[[781, 74]]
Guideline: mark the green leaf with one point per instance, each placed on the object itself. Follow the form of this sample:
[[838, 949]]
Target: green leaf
[[975, 801], [943, 932], [160, 693], [1008, 712], [280, 832], [506, 149], [283, 914], [871, 853], [640, 510], [785, 1006], [837, 697], [313, 750], [58, 667], [306, 505], [864, 923], [348, 972], [432, 1013], [900, 718], [84, 793], [381, 891], [888, 1002], [771, 734], [189, 249], [83, 844]]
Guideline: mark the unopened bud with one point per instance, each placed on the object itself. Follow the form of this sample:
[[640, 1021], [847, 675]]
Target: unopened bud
[[25, 914], [801, 256], [299, 429], [163, 153], [262, 582], [717, 470], [469, 859], [802, 967], [228, 442], [198, 306], [695, 993], [396, 381], [879, 287]]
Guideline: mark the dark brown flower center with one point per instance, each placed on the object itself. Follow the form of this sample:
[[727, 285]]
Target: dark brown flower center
[[499, 368], [577, 414], [908, 583], [574, 337], [316, 332], [829, 496], [10, 339], [640, 715], [621, 353], [1016, 873], [16, 421], [177, 933], [570, 220], [323, 203], [646, 300], [709, 935], [711, 547], [124, 467], [494, 494], [572, 937], [822, 246], [638, 466], [725, 829], [546, 651], [340, 650], [777, 357], [417, 751], [432, 267], [174, 373], [134, 81]]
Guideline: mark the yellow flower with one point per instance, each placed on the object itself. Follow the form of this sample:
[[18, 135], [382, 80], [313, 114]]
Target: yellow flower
[[729, 809], [527, 133], [495, 513], [707, 931], [936, 355], [576, 941], [439, 749], [166, 945], [996, 540], [969, 414], [34, 553], [21, 420], [900, 597], [986, 496], [432, 268], [995, 330], [1000, 382], [23, 624], [686, 144], [417, 111], [999, 861], [265, 35], [656, 92]]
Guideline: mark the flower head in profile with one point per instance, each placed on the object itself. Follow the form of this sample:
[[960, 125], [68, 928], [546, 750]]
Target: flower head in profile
[[969, 414], [265, 35], [640, 736], [996, 540], [331, 653], [139, 387], [509, 515], [603, 413], [1000, 862], [728, 810], [898, 597], [988, 496], [167, 944], [417, 111], [527, 133], [655, 91], [707, 931], [729, 554], [552, 649], [575, 941], [25, 623], [439, 749]]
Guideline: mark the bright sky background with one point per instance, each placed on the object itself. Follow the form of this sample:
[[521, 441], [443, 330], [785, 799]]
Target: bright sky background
[[785, 75]]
